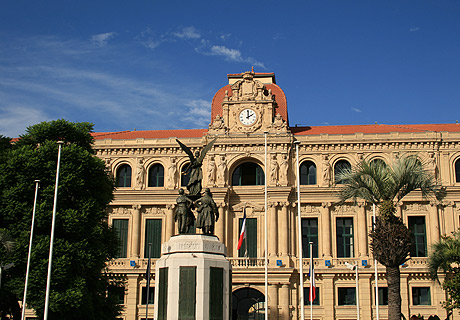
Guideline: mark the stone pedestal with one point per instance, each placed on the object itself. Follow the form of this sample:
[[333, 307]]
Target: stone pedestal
[[193, 279]]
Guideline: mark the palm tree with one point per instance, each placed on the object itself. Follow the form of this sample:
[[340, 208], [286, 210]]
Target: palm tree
[[445, 255], [385, 185]]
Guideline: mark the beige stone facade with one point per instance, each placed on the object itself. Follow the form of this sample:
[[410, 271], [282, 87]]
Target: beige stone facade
[[148, 166]]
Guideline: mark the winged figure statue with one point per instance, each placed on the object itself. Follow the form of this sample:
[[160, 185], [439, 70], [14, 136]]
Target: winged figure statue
[[194, 168]]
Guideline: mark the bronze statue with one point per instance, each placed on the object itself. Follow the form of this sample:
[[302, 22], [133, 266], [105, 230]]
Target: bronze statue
[[183, 214], [194, 168], [207, 212]]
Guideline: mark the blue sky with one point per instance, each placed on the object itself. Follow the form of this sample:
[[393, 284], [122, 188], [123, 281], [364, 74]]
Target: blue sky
[[157, 64]]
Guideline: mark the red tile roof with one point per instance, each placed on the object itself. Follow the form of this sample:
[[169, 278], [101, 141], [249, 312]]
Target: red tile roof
[[150, 134], [376, 128], [298, 131]]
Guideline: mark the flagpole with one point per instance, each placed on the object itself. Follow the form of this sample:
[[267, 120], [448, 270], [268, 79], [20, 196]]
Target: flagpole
[[375, 270], [148, 285], [299, 231], [37, 186], [312, 277], [266, 230], [53, 223], [245, 239]]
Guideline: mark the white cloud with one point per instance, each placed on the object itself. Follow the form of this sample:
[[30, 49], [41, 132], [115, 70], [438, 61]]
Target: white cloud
[[149, 40], [232, 55], [356, 110], [413, 29], [199, 112], [15, 118], [102, 38], [188, 33], [225, 36]]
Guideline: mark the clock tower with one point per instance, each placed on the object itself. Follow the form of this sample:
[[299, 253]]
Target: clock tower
[[250, 103]]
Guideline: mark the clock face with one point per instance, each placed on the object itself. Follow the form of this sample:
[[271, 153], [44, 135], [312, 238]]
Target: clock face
[[248, 117]]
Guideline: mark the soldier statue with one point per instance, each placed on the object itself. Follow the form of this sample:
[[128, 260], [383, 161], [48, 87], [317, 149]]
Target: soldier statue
[[183, 215], [207, 212]]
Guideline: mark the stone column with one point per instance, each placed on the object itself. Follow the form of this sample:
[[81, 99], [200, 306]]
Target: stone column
[[283, 223], [220, 224], [328, 296], [399, 209], [326, 229], [169, 229], [136, 231], [434, 222], [362, 229], [273, 300], [284, 312], [405, 294], [272, 229], [449, 216], [131, 297]]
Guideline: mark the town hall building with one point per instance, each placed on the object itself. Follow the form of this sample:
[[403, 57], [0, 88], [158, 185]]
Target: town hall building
[[248, 113]]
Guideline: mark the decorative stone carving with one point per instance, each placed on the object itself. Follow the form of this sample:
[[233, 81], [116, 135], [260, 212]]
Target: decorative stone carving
[[310, 209], [217, 125], [172, 171], [140, 174], [283, 170], [274, 171], [247, 89], [221, 171], [326, 171], [211, 172], [343, 208], [432, 165], [154, 210], [416, 207], [121, 211], [278, 125]]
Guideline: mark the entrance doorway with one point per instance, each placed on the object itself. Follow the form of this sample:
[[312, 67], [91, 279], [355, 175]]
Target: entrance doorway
[[248, 304]]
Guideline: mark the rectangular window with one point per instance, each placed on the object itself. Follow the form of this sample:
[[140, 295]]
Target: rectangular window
[[418, 227], [187, 293], [345, 238], [151, 295], [251, 238], [383, 296], [153, 236], [121, 229], [346, 296], [421, 296], [309, 234], [306, 296]]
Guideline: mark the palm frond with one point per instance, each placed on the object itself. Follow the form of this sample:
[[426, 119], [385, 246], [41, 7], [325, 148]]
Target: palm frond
[[445, 254], [367, 180]]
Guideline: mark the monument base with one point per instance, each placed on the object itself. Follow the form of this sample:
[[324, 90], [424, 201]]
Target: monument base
[[193, 279]]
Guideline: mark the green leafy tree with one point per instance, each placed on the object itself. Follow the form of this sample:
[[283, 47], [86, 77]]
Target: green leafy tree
[[383, 185], [83, 241], [445, 255]]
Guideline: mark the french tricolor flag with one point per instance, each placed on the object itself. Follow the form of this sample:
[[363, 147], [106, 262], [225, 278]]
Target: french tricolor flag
[[243, 230], [312, 283]]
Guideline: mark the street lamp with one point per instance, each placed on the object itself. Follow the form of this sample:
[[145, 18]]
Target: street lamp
[[355, 267]]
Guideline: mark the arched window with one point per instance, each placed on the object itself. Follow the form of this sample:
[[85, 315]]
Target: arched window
[[378, 161], [457, 170], [124, 176], [156, 176], [248, 174], [307, 173], [339, 167], [184, 175]]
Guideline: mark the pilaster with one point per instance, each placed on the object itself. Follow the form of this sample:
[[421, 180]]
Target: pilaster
[[136, 231]]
